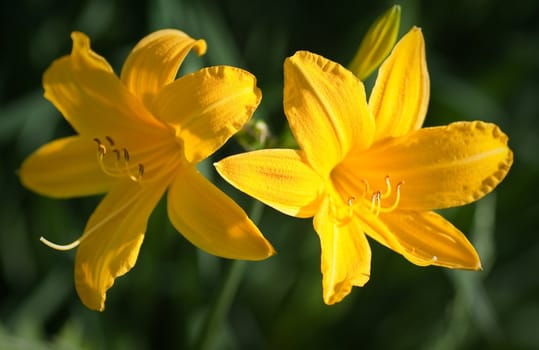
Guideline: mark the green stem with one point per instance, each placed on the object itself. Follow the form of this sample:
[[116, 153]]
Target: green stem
[[216, 316]]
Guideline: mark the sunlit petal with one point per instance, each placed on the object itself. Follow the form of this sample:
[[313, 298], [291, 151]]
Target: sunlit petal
[[326, 109], [439, 167], [424, 238], [400, 97], [346, 255], [278, 177], [207, 107], [212, 221], [65, 167], [155, 60], [112, 239], [92, 99], [377, 43]]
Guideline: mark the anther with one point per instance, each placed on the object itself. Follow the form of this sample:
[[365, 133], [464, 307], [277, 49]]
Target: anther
[[117, 152], [351, 200], [140, 170], [101, 149], [376, 202], [387, 193], [126, 154], [140, 173], [110, 141]]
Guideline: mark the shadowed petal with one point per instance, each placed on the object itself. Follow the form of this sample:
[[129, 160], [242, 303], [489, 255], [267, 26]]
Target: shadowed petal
[[439, 167], [212, 221], [346, 255], [400, 97], [155, 60], [64, 168], [92, 99], [112, 239], [207, 107], [277, 177], [424, 238], [326, 109]]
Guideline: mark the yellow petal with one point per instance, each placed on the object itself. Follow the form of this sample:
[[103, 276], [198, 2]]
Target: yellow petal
[[92, 99], [377, 43], [207, 107], [112, 239], [277, 177], [155, 60], [346, 255], [400, 97], [326, 109], [439, 167], [212, 221], [63, 168], [424, 238]]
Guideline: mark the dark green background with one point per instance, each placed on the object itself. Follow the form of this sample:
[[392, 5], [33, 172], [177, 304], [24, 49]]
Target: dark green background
[[483, 59]]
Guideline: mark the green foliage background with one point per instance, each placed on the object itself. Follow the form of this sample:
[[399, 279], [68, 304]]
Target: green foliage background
[[483, 59]]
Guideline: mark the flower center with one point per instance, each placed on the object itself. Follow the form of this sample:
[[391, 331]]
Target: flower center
[[116, 162], [382, 197], [155, 162], [377, 196]]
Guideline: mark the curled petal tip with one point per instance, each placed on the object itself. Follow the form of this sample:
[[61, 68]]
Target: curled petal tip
[[200, 47]]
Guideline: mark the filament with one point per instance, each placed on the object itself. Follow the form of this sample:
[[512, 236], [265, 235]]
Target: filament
[[367, 186], [97, 226], [62, 247], [387, 193], [396, 202]]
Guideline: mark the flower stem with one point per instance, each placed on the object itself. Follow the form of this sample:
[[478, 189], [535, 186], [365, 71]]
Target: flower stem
[[216, 315]]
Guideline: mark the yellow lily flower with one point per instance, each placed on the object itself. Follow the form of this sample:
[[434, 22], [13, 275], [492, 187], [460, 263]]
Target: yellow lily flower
[[370, 167], [139, 135]]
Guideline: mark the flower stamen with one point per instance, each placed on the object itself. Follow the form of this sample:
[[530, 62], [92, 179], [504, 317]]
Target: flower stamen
[[387, 193], [351, 201], [376, 202], [121, 166], [396, 202], [377, 197]]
